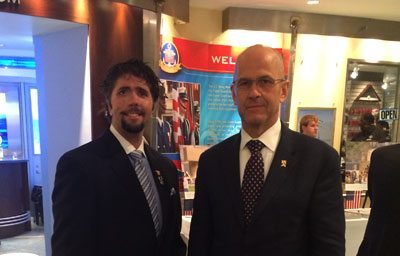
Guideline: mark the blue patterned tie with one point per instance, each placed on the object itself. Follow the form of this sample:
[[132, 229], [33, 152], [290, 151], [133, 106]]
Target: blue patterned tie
[[138, 161], [253, 179]]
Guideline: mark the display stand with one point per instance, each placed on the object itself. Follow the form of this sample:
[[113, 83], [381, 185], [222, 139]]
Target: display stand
[[190, 155]]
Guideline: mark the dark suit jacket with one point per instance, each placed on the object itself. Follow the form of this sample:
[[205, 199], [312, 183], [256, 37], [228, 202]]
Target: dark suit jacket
[[300, 211], [185, 130], [382, 235], [100, 209], [164, 138]]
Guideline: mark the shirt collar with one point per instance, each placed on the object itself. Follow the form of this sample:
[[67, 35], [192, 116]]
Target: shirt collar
[[126, 145], [270, 137], [159, 120]]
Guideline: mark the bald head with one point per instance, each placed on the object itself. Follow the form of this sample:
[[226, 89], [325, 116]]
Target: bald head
[[259, 88], [260, 55]]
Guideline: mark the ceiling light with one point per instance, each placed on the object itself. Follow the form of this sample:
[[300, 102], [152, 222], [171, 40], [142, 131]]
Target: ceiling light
[[354, 74], [2, 45], [384, 85], [311, 2]]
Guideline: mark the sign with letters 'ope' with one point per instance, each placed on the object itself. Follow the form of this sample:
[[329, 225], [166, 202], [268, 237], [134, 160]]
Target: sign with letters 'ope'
[[388, 114]]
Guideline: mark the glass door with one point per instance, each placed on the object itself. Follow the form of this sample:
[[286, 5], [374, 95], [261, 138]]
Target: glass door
[[11, 127], [33, 134]]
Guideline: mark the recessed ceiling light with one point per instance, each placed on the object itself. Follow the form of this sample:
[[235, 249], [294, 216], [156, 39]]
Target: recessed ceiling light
[[311, 2], [2, 45]]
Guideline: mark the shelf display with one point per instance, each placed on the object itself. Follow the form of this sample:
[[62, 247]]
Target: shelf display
[[189, 155]]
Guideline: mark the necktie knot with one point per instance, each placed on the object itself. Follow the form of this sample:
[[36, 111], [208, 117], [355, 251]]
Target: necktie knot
[[255, 146], [136, 155]]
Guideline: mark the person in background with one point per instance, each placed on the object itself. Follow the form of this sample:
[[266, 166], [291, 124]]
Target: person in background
[[195, 134], [382, 131], [116, 195], [266, 190], [367, 127], [184, 122], [309, 125], [164, 128], [382, 234]]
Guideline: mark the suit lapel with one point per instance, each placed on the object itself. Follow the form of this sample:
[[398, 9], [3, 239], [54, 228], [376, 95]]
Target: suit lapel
[[281, 167], [118, 161], [232, 169]]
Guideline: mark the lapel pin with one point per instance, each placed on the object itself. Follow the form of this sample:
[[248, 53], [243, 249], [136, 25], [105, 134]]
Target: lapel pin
[[160, 177], [283, 163]]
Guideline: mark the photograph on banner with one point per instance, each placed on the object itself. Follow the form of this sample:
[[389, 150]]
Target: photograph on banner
[[211, 67], [181, 114]]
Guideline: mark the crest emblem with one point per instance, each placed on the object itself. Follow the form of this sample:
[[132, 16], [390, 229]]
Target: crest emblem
[[170, 61]]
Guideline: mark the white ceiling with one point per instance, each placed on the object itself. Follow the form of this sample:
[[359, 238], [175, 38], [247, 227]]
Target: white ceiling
[[376, 9], [16, 30]]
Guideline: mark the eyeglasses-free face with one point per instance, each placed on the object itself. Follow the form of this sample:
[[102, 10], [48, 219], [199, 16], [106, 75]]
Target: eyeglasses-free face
[[262, 83]]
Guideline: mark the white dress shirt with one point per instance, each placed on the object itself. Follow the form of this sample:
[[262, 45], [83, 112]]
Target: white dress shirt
[[129, 148], [270, 138]]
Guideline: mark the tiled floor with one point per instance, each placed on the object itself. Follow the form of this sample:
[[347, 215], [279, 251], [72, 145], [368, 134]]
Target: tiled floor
[[30, 242]]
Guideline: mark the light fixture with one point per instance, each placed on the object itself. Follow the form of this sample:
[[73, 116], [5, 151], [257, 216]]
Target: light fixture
[[312, 2], [354, 74], [2, 45], [384, 86]]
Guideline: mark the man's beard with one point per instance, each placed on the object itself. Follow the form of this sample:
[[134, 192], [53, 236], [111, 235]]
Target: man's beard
[[132, 128]]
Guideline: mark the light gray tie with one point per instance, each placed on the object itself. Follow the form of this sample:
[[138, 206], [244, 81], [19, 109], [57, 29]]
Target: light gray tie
[[138, 161]]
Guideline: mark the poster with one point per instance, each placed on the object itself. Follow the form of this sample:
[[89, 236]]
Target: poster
[[201, 73]]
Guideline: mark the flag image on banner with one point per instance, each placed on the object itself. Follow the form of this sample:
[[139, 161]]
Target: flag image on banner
[[353, 199], [176, 125]]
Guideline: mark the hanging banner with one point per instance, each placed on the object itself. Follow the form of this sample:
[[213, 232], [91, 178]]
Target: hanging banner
[[196, 79]]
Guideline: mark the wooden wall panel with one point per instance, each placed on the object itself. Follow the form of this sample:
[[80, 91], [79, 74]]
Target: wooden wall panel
[[71, 10], [115, 36]]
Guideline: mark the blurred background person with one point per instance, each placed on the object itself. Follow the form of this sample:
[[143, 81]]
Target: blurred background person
[[382, 131], [164, 128], [309, 125], [383, 229], [367, 126], [184, 122], [195, 134]]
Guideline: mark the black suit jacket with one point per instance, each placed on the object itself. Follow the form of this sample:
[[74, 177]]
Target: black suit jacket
[[164, 138], [382, 235], [100, 209], [300, 211]]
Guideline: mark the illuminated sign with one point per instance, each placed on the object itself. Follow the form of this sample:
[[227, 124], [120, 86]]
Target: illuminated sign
[[388, 114], [17, 62]]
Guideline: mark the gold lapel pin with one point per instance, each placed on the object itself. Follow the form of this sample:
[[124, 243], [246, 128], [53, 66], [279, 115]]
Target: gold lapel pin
[[283, 163], [160, 177]]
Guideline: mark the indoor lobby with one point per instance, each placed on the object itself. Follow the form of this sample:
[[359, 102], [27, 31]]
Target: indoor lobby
[[341, 58]]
